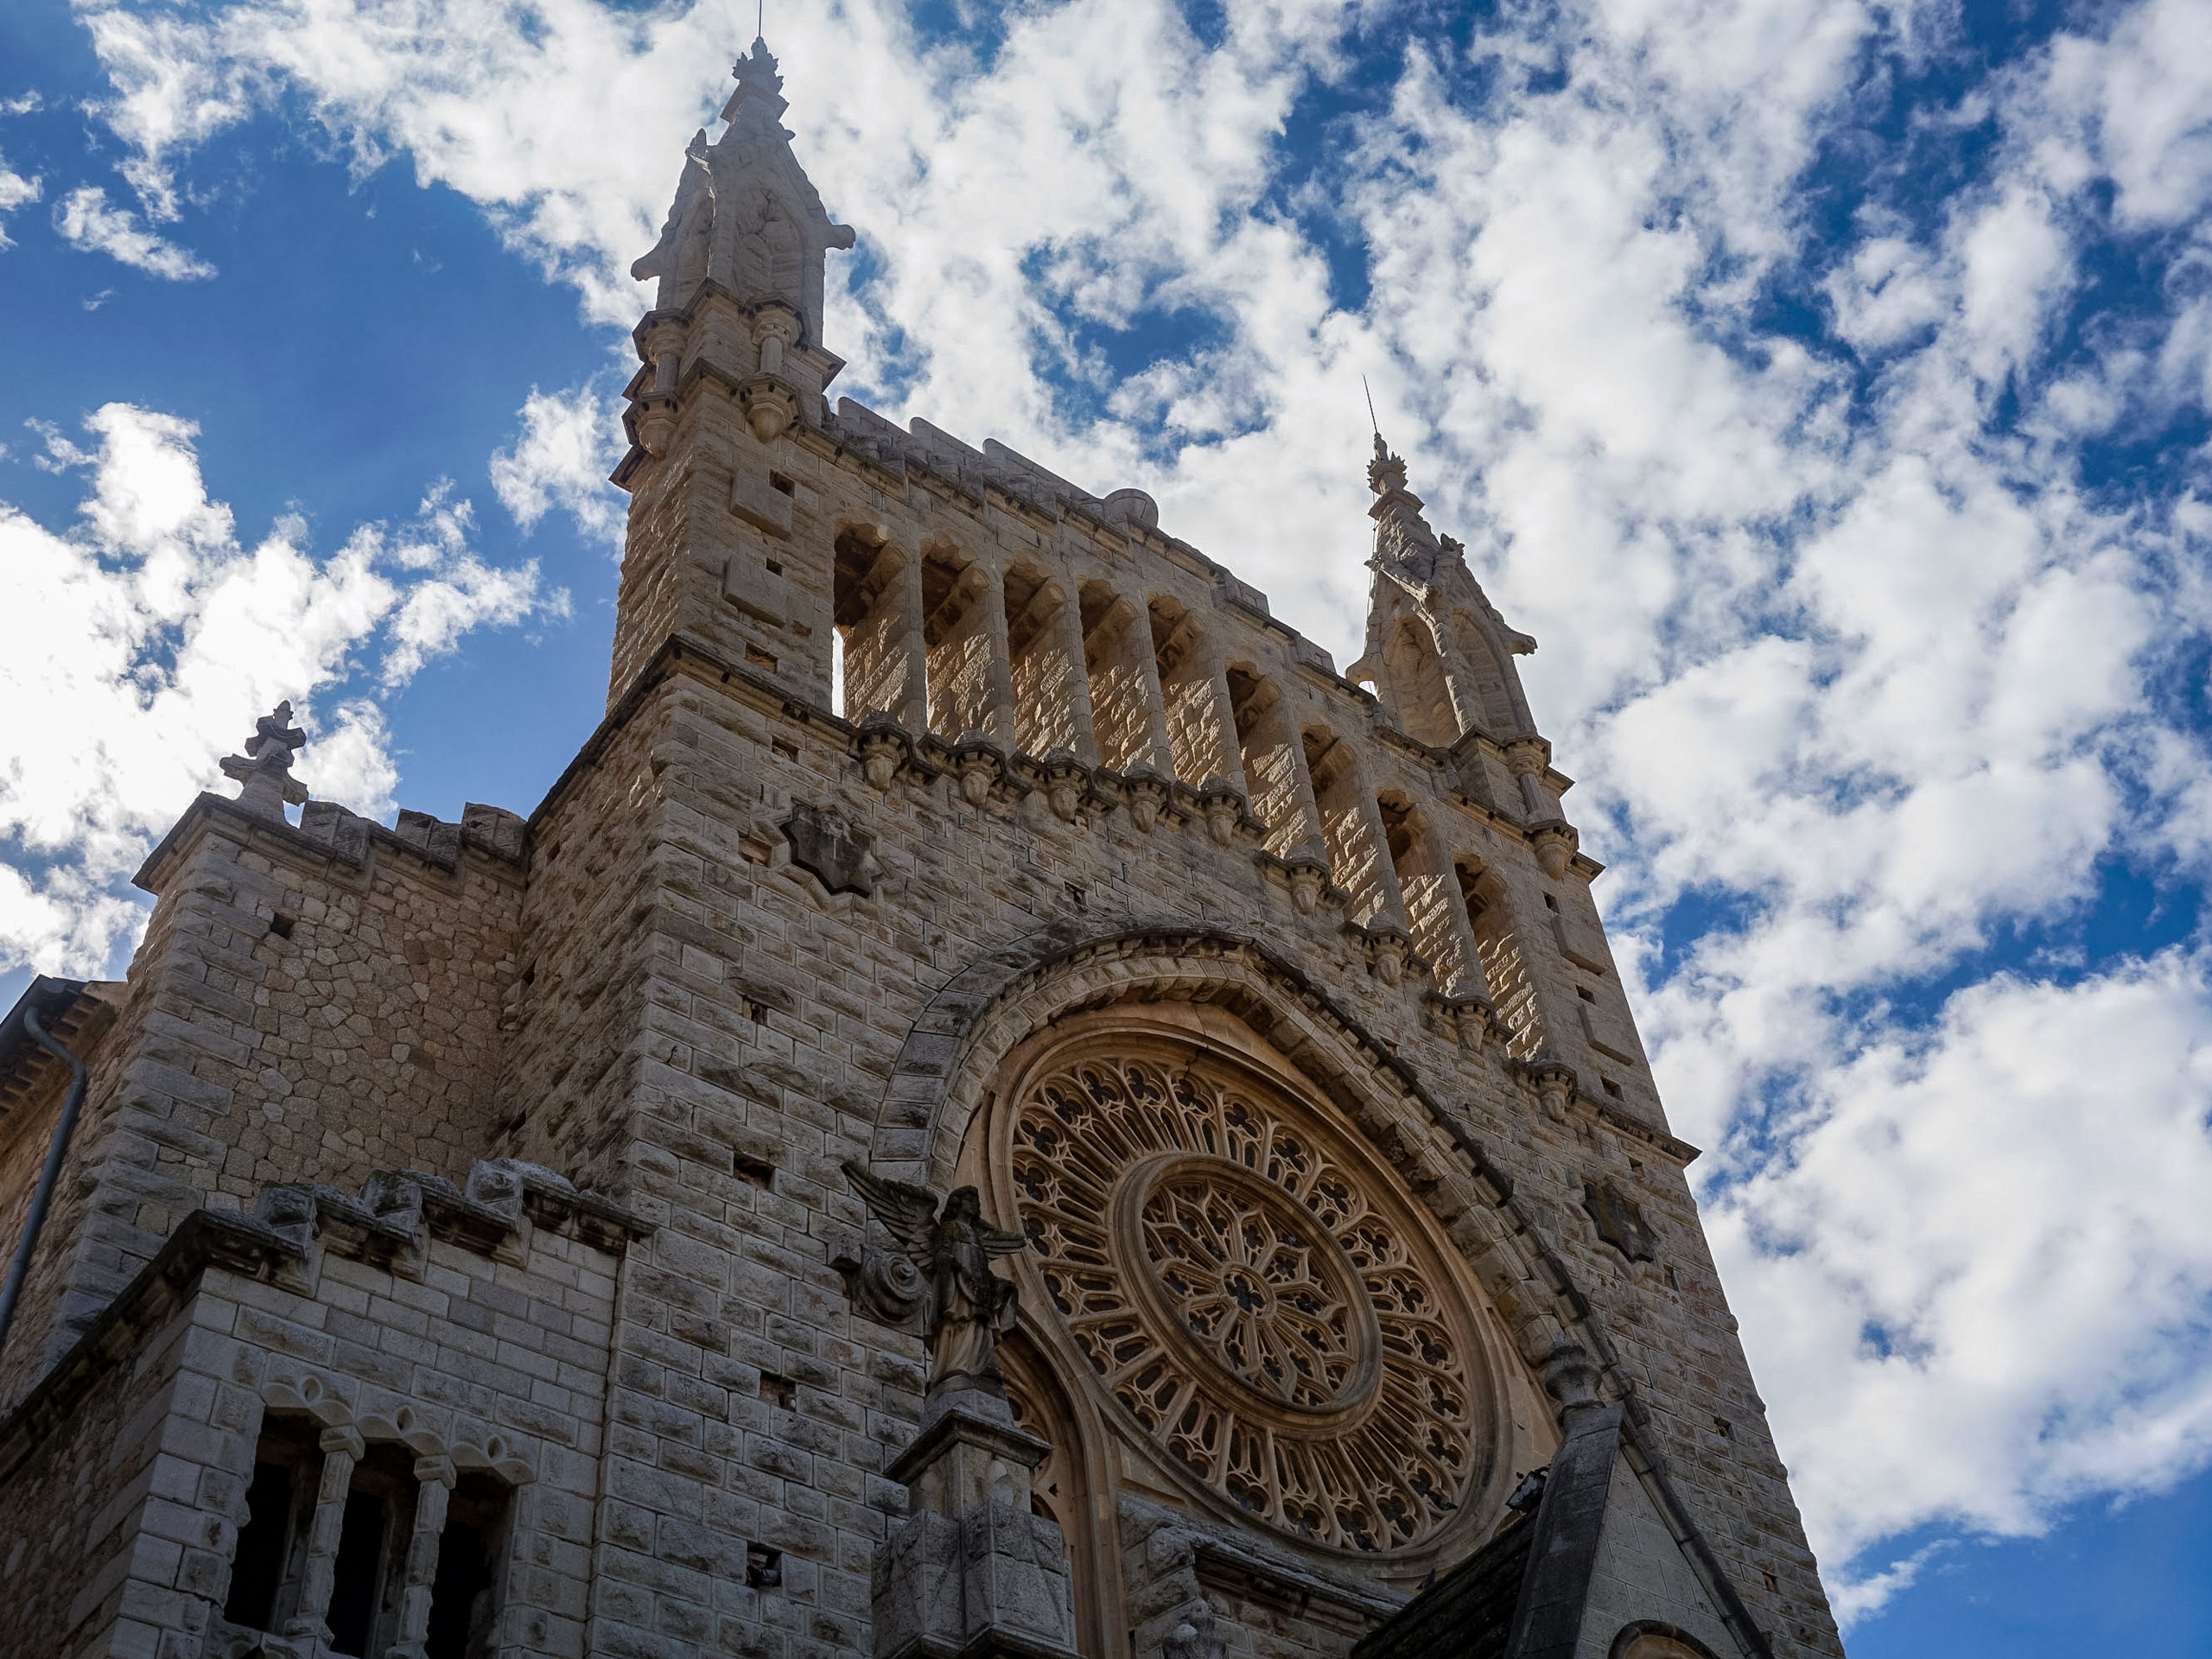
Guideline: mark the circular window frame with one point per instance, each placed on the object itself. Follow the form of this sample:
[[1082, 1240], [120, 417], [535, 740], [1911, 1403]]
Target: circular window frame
[[1211, 1041]]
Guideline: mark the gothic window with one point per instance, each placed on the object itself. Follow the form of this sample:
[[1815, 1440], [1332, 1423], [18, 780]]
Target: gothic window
[[956, 632], [1413, 677], [1429, 892], [1043, 678], [1270, 772], [1355, 864], [1059, 1486], [1489, 671], [1254, 1295], [1195, 732], [1121, 701], [865, 609], [1504, 961]]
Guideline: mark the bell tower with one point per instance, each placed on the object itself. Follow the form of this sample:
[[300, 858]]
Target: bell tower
[[722, 547]]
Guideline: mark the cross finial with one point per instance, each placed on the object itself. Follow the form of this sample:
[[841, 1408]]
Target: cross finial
[[263, 772]]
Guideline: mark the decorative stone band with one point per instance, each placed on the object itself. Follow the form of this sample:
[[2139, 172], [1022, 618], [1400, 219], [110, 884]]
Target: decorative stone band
[[386, 1226]]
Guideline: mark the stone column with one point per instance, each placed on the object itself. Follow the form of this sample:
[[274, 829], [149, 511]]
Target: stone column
[[971, 1570], [1136, 642], [913, 704], [1004, 732], [1526, 758], [434, 1477], [341, 1449], [1224, 714], [1068, 622]]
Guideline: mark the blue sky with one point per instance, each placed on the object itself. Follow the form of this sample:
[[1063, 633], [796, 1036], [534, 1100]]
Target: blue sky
[[1825, 386]]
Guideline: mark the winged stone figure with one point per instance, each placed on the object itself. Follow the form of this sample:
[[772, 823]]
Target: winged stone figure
[[970, 1307]]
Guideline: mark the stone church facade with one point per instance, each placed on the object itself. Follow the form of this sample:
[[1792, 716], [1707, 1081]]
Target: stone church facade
[[521, 1236]]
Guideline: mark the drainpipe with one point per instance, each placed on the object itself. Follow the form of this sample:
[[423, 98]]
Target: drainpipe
[[27, 1014]]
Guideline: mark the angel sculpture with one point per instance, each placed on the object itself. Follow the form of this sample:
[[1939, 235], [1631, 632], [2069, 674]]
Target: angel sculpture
[[969, 1306]]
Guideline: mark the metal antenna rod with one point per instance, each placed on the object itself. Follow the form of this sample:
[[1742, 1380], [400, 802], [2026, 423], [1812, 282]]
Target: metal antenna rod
[[1370, 406]]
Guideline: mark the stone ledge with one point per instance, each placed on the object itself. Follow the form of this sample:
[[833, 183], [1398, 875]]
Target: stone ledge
[[243, 1245]]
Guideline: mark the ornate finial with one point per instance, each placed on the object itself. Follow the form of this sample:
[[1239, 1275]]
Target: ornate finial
[[263, 772], [969, 1306], [756, 77], [1387, 472]]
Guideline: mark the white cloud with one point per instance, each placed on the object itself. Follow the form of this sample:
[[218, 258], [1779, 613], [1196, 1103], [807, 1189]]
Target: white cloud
[[86, 221], [569, 443], [147, 640], [1862, 656], [16, 191]]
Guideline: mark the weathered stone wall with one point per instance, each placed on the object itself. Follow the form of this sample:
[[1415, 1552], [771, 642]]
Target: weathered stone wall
[[301, 1009], [101, 1525]]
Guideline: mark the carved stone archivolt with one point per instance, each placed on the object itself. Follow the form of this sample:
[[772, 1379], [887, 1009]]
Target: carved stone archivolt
[[1257, 1298]]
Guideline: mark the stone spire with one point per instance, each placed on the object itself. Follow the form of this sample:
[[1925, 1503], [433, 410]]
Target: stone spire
[[746, 217], [1437, 652], [1405, 547]]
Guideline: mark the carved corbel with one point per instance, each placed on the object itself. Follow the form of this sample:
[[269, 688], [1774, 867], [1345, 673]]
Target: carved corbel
[[1308, 875], [979, 764], [1065, 780], [882, 747], [1222, 806], [1145, 792], [1553, 1080], [1556, 843], [1388, 948], [770, 408]]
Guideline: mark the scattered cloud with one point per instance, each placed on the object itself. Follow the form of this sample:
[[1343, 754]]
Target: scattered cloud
[[569, 444], [86, 221], [1790, 457], [147, 635]]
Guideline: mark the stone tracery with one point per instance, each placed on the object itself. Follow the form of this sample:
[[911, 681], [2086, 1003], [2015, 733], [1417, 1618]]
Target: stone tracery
[[1249, 1292]]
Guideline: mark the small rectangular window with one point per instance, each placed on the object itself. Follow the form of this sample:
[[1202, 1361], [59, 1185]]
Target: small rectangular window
[[1550, 903], [1612, 1088], [778, 481], [774, 568], [760, 658], [779, 1391], [785, 749], [282, 925], [763, 1567], [756, 1172], [1723, 1428], [1585, 994]]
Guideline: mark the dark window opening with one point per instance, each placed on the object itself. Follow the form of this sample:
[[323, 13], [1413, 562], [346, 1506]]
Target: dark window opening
[[258, 1569], [282, 925], [1550, 903], [355, 1576], [464, 1596], [775, 568], [760, 658], [280, 1502], [756, 1172], [1079, 895], [763, 1567], [1585, 994], [1773, 1584], [778, 481], [1612, 1088], [1723, 1428], [784, 749], [779, 1391]]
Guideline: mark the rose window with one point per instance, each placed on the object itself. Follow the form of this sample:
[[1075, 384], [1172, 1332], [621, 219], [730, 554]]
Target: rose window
[[1260, 1306]]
